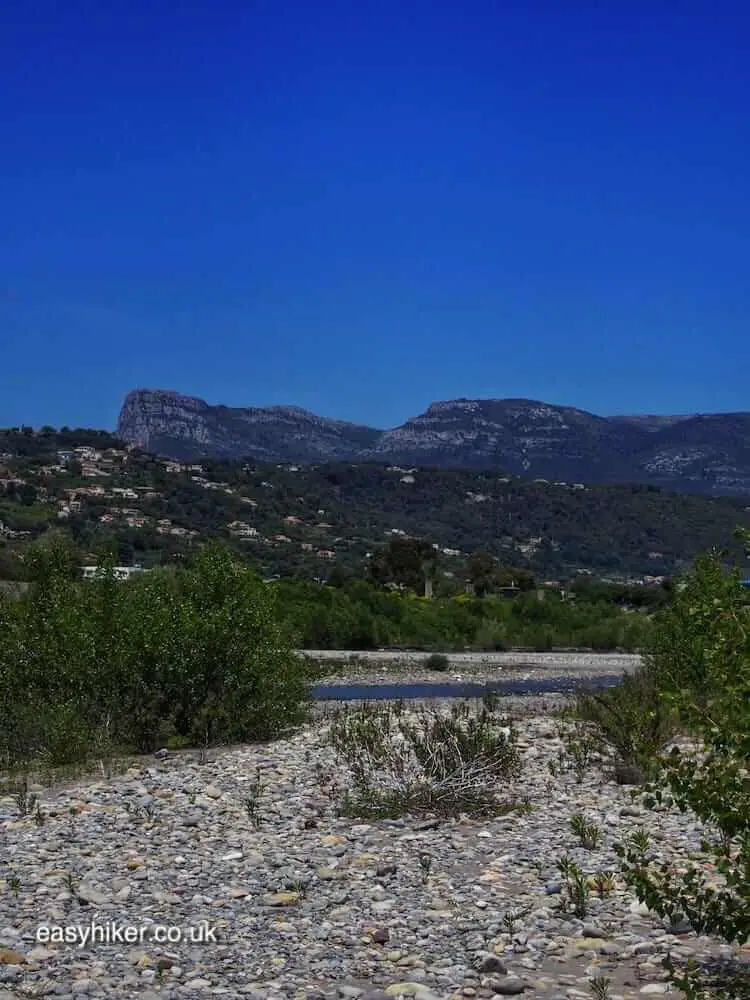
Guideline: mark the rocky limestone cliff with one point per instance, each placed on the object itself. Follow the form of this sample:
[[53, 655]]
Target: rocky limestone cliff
[[522, 436], [702, 453], [151, 413], [182, 427]]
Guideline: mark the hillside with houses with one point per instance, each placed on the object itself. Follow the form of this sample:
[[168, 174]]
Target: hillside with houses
[[293, 519]]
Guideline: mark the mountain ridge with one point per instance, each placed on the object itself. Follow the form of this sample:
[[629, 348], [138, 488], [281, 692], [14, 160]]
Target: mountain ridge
[[700, 453]]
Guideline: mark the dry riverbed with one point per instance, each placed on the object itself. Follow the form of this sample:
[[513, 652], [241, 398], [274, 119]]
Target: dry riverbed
[[387, 667], [308, 905]]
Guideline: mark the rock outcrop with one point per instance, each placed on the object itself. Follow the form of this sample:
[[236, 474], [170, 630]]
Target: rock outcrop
[[705, 453]]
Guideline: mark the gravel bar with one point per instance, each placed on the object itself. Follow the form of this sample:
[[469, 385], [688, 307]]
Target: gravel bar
[[306, 904], [386, 666]]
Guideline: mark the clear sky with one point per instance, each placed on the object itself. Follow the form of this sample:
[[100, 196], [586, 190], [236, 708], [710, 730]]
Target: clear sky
[[360, 207]]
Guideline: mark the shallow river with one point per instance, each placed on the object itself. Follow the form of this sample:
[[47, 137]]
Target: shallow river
[[392, 692]]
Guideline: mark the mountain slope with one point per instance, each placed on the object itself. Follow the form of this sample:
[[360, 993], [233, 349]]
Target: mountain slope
[[521, 436], [182, 427], [699, 453], [706, 453]]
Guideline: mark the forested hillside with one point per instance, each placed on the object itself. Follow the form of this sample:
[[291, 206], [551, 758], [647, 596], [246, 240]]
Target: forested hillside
[[307, 519]]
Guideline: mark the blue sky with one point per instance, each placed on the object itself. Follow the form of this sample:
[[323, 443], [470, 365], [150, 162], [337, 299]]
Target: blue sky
[[363, 207]]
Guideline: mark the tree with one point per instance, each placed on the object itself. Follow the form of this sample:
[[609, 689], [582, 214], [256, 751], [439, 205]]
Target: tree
[[25, 494], [51, 557], [339, 577], [407, 562], [11, 566], [701, 659], [197, 652], [239, 676], [510, 576], [482, 572]]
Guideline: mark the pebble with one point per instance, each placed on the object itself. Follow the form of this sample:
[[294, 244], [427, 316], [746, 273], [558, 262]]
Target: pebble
[[306, 904], [510, 987]]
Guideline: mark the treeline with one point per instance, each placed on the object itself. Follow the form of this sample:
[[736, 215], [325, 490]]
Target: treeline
[[360, 615]]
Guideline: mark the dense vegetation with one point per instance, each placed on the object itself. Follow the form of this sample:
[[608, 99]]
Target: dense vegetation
[[197, 654], [305, 520], [359, 615]]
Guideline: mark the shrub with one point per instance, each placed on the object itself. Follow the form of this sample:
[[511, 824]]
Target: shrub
[[90, 667], [701, 655], [604, 637], [541, 639], [239, 676], [492, 636], [437, 661], [631, 720], [575, 897], [579, 747], [430, 762], [360, 615], [588, 832]]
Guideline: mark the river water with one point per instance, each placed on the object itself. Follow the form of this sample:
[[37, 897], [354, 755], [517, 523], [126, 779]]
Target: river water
[[394, 692]]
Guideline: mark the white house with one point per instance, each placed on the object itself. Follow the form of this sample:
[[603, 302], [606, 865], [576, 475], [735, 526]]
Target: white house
[[120, 572]]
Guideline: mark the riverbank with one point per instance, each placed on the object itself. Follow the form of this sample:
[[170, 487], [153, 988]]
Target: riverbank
[[380, 667]]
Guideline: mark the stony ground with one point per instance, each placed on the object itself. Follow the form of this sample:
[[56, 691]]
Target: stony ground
[[312, 905], [386, 667]]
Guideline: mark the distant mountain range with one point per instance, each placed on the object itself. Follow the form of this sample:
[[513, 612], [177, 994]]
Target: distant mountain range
[[695, 453]]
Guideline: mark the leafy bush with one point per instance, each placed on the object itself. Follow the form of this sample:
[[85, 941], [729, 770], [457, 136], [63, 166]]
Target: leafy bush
[[491, 636], [89, 667], [701, 656], [437, 661], [429, 762], [631, 720]]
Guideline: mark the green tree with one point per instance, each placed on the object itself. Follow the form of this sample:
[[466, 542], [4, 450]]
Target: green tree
[[482, 568], [239, 675], [339, 576], [407, 562], [511, 576], [50, 558]]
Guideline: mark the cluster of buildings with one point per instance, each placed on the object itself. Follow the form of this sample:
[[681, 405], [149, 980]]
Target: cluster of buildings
[[94, 463], [72, 501], [248, 532], [120, 572], [302, 532]]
